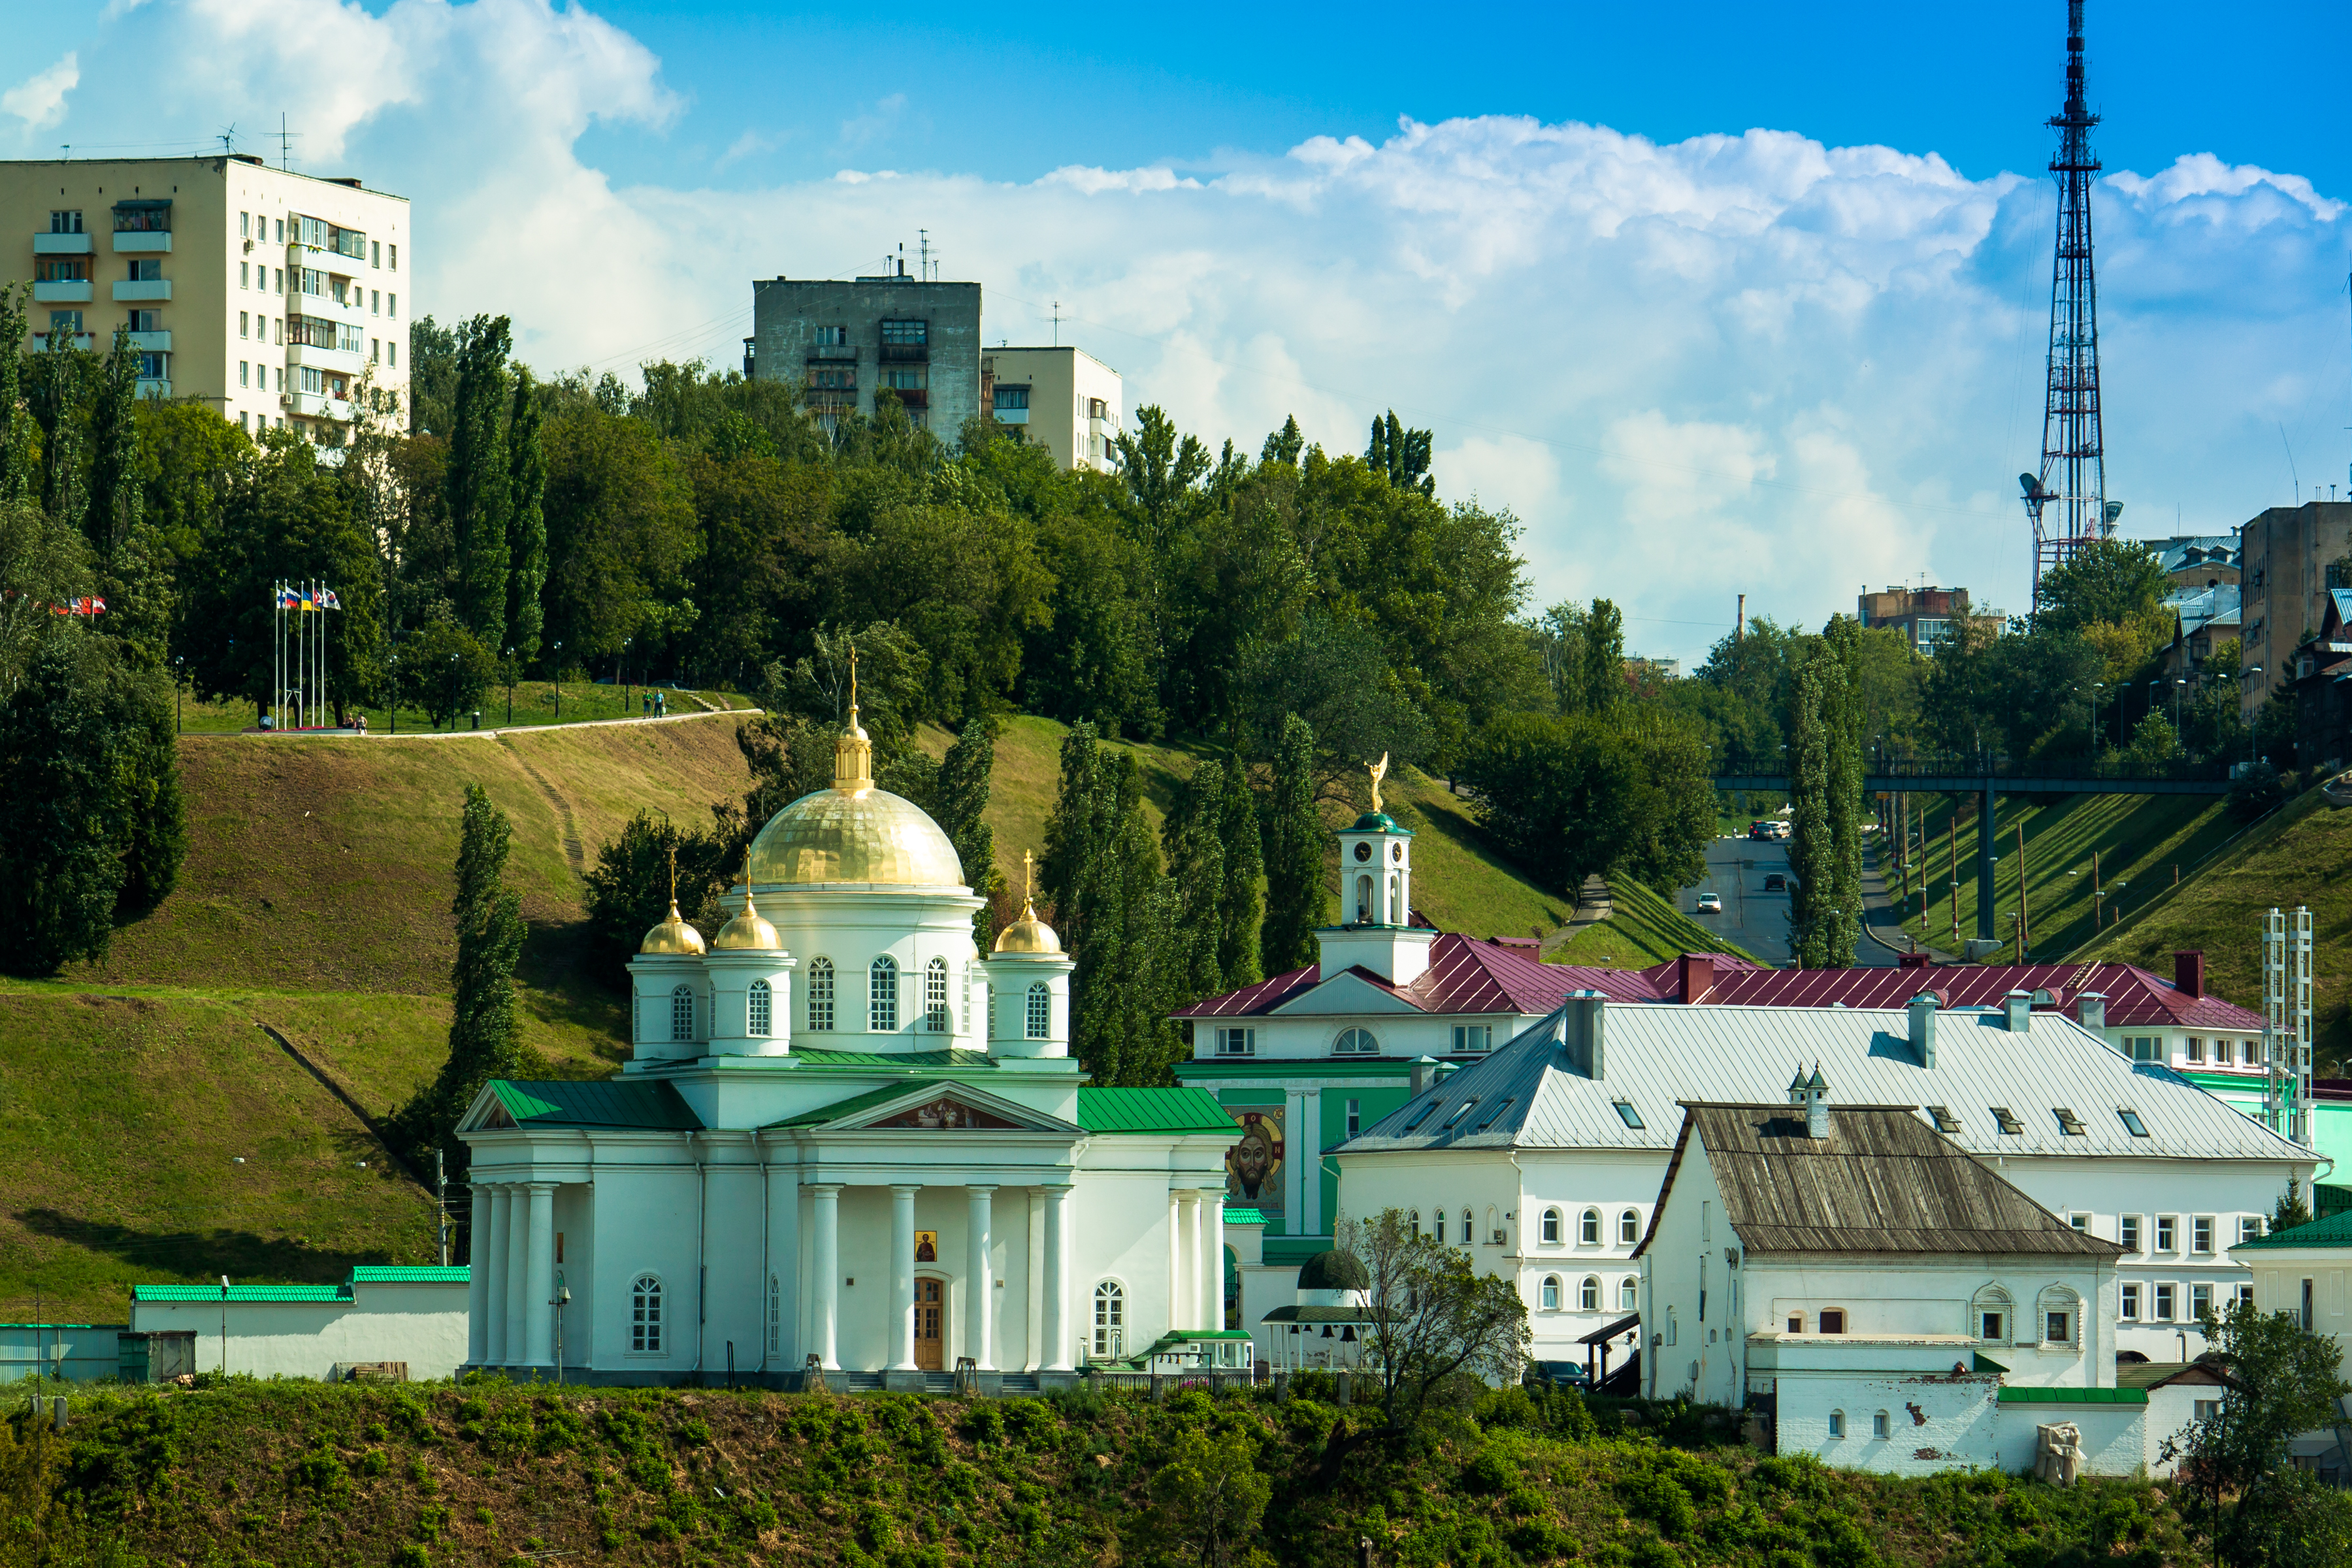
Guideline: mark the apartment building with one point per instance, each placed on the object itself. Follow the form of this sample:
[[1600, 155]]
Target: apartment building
[[1065, 400], [274, 296], [844, 341], [1924, 615], [2284, 554]]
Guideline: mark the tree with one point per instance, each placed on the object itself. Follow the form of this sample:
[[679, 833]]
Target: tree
[[445, 671], [1400, 454], [432, 378], [55, 383], [1210, 1494], [1815, 919], [2291, 1210], [1335, 675], [1842, 717], [1102, 877], [18, 468], [1604, 658], [527, 523], [1296, 897], [483, 1041], [2279, 1379], [1563, 795], [1433, 1320], [1240, 906], [960, 806], [629, 887], [2112, 581], [480, 483], [1194, 836]]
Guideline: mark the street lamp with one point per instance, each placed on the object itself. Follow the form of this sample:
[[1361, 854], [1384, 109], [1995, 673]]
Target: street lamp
[[179, 673], [558, 683], [2177, 682], [623, 674], [2096, 687], [2250, 725], [393, 660], [510, 680]]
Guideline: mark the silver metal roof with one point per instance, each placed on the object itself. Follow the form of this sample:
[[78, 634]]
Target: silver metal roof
[[1653, 1057]]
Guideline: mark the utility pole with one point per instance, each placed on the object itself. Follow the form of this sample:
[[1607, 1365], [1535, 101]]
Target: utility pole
[[1954, 825], [441, 1206], [2021, 927]]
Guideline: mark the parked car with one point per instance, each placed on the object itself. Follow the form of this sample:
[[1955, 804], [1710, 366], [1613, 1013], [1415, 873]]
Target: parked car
[[1558, 1374], [1775, 883], [1710, 903]]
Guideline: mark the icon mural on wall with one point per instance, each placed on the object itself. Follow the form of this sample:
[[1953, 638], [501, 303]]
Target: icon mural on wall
[[927, 1247], [1253, 1165]]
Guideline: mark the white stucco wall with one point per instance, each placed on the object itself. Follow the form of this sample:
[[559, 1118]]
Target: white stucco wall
[[422, 1324], [2115, 1436], [1934, 1423]]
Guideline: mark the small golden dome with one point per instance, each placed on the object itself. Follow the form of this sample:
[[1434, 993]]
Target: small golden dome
[[673, 936], [747, 933], [1028, 934]]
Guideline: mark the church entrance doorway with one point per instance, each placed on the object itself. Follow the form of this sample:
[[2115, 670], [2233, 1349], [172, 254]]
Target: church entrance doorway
[[929, 1345]]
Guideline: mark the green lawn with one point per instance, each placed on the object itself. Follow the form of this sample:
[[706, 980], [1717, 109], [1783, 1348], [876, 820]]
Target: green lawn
[[1643, 928], [530, 702]]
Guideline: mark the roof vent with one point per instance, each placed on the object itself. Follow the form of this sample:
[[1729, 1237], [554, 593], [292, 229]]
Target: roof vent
[[1923, 1027], [2017, 1011], [2091, 1008], [1582, 1021]]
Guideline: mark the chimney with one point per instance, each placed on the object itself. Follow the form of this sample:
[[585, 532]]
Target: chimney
[[2188, 973], [1911, 960], [1697, 975], [1817, 1105], [1582, 1025], [2091, 1008], [1424, 1073], [1923, 1027], [2017, 1011]]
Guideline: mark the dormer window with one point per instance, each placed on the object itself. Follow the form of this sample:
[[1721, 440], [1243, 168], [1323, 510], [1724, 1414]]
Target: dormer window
[[2132, 1123], [2068, 1122], [2010, 1126], [1944, 1120]]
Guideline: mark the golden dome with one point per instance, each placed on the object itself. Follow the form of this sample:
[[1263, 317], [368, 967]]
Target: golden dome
[[853, 832], [673, 936], [748, 932], [1028, 934]]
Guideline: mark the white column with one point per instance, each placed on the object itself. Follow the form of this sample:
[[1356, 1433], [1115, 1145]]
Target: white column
[[1175, 1260], [1188, 1294], [539, 1278], [902, 1278], [477, 1279], [979, 1303], [824, 1262], [1213, 1259], [1294, 1161], [1309, 1144], [518, 1275], [1056, 1354], [493, 1254]]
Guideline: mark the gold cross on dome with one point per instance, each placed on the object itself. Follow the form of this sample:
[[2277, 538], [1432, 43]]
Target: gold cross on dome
[[853, 678], [673, 875], [1028, 876]]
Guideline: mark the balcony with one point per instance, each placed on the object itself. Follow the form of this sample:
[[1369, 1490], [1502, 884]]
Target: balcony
[[86, 342], [76, 293], [141, 241], [1013, 416], [62, 245], [151, 388], [342, 362], [313, 405], [828, 352], [148, 343], [905, 353], [151, 288]]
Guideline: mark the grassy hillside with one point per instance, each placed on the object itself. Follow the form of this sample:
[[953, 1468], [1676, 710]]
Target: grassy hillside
[[2303, 857], [1643, 928], [2140, 841], [313, 1474]]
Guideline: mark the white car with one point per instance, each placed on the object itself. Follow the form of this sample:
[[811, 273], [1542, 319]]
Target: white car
[[1710, 903]]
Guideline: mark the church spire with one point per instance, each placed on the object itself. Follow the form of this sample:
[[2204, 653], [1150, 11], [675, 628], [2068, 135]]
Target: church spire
[[853, 753]]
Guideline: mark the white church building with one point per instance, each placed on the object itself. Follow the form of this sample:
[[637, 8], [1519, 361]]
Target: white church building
[[846, 1141]]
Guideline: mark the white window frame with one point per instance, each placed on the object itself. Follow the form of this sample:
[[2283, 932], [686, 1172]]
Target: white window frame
[[1837, 1425], [2249, 1228], [1355, 1040], [2164, 1302], [1038, 1012], [760, 1010], [1629, 1294], [1236, 1042], [2168, 1233], [1629, 1228], [2132, 1232], [937, 1019], [2202, 1234], [1587, 1294], [882, 996], [681, 1015], [1881, 1427], [1587, 1228], [649, 1319], [2128, 1307], [1107, 1322], [1551, 1229], [1547, 1294], [820, 1002]]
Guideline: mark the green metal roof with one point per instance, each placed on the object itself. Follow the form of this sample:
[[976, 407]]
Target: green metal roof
[[1294, 1249], [931, 1061], [323, 1293], [602, 1102], [411, 1274], [1151, 1110], [2074, 1397], [2336, 1230], [1235, 1215], [857, 1102]]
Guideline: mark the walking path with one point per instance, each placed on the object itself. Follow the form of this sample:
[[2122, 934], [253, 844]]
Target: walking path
[[1594, 905], [1879, 923], [461, 734]]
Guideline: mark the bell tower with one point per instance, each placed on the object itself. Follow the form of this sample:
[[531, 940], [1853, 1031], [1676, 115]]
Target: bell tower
[[1376, 930]]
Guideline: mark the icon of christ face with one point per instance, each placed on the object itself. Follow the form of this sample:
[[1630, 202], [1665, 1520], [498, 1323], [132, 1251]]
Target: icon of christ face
[[1253, 1158]]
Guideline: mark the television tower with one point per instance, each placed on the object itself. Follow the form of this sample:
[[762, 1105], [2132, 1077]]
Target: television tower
[[2073, 476]]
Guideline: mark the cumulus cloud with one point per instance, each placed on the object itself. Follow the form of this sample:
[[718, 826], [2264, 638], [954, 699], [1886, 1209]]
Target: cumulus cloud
[[39, 100], [1736, 362]]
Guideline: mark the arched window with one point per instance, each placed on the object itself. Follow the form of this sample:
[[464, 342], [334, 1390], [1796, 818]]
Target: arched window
[[935, 996], [1415, 1219], [1363, 900], [1550, 1296], [882, 996], [681, 1013], [1588, 1231], [646, 1315], [762, 1009], [1355, 1043], [775, 1317], [1110, 1319], [820, 994], [1588, 1295], [1552, 1226], [2061, 1314], [1469, 1231], [1628, 1227], [1392, 902], [1880, 1426], [1991, 1316], [1837, 1423], [1040, 1021], [1629, 1294]]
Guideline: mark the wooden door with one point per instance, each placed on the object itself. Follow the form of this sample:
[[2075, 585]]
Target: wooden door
[[930, 1343]]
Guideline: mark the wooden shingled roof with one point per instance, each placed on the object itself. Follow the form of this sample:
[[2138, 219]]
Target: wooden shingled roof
[[1884, 1181]]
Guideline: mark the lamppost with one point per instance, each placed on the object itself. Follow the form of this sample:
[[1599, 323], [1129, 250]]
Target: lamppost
[[558, 683], [562, 1299], [393, 661], [623, 673], [510, 680], [2252, 724], [179, 674], [2177, 682], [453, 691], [2096, 687]]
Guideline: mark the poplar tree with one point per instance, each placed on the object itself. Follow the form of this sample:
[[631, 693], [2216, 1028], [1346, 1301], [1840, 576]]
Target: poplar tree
[[16, 461], [1113, 914], [483, 1041], [960, 807], [1844, 716], [114, 489], [480, 483], [1825, 809], [1241, 908], [1605, 657], [527, 529], [54, 396], [1194, 839], [1295, 897]]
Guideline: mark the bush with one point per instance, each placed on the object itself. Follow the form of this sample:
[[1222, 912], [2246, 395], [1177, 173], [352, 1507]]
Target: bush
[[2256, 791]]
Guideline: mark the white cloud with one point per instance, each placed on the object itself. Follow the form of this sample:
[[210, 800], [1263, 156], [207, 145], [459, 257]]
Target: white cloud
[[39, 100], [1738, 363]]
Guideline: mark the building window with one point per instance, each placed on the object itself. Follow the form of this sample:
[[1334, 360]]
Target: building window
[[1588, 1295], [2128, 1233], [1833, 1321], [906, 334], [820, 994], [2132, 1123], [242, 370], [65, 222], [2201, 1235], [1837, 1423], [1465, 1109], [391, 305], [1355, 1043], [1627, 1114], [681, 1013], [882, 996], [2245, 1295], [2010, 1125], [907, 378], [2058, 1308], [775, 1317], [2205, 1409], [832, 337], [1629, 1228], [2144, 1048], [2081, 1222], [1588, 1229], [1629, 1294], [2130, 1313], [1469, 1232], [2168, 1233], [1039, 1022], [1237, 1042], [1878, 1424], [1011, 400], [241, 318], [1944, 1120], [2201, 1301], [1110, 1319], [935, 996], [1551, 1227], [1473, 1039], [245, 274], [2163, 1300], [62, 272], [1551, 1294], [763, 1008], [1355, 1117], [646, 1315], [2196, 1048], [2250, 1227], [392, 251]]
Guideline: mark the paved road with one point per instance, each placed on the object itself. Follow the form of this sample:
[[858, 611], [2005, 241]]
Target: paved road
[[1754, 919]]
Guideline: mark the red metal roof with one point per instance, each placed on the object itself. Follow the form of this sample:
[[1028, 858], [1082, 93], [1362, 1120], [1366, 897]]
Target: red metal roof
[[1471, 975]]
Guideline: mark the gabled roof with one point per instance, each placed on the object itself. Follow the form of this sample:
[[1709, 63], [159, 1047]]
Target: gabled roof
[[1655, 1056], [1170, 1111], [411, 1274], [929, 1105], [361, 1274], [1882, 1182], [601, 1102]]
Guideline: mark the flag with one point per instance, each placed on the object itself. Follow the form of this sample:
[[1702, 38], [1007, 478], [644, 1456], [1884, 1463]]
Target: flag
[[327, 600], [306, 601], [287, 599], [88, 604]]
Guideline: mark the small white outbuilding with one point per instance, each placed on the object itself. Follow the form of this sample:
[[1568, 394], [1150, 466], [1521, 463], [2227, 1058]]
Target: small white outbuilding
[[392, 1320]]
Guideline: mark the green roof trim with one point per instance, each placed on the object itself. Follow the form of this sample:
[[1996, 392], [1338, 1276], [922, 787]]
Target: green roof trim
[[2335, 1231], [2074, 1397], [1307, 1068], [327, 1294], [602, 1102], [1986, 1363], [1153, 1110], [1237, 1214], [824, 1114], [411, 1274], [911, 1061]]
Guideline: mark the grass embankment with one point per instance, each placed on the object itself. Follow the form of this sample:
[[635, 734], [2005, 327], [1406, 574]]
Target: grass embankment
[[531, 703], [2302, 856], [1643, 928], [2139, 841], [290, 1473]]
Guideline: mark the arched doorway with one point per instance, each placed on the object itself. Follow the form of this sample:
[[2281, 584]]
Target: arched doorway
[[930, 1324]]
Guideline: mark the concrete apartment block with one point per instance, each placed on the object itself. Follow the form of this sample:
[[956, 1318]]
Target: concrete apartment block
[[844, 340], [274, 297], [2284, 556], [1065, 400]]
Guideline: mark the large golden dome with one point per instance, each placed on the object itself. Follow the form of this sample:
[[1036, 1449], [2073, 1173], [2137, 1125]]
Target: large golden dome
[[855, 832]]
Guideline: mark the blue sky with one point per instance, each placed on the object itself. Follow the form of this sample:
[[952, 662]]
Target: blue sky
[[1713, 300]]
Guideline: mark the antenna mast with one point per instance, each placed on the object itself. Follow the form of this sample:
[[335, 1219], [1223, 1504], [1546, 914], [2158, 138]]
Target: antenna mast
[[2073, 453]]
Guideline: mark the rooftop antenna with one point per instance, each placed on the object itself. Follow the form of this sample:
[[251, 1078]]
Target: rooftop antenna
[[2074, 447], [228, 141], [924, 235], [285, 143], [2290, 463], [1058, 324]]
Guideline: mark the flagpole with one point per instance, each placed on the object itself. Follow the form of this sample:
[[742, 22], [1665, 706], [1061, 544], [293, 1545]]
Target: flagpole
[[278, 654]]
